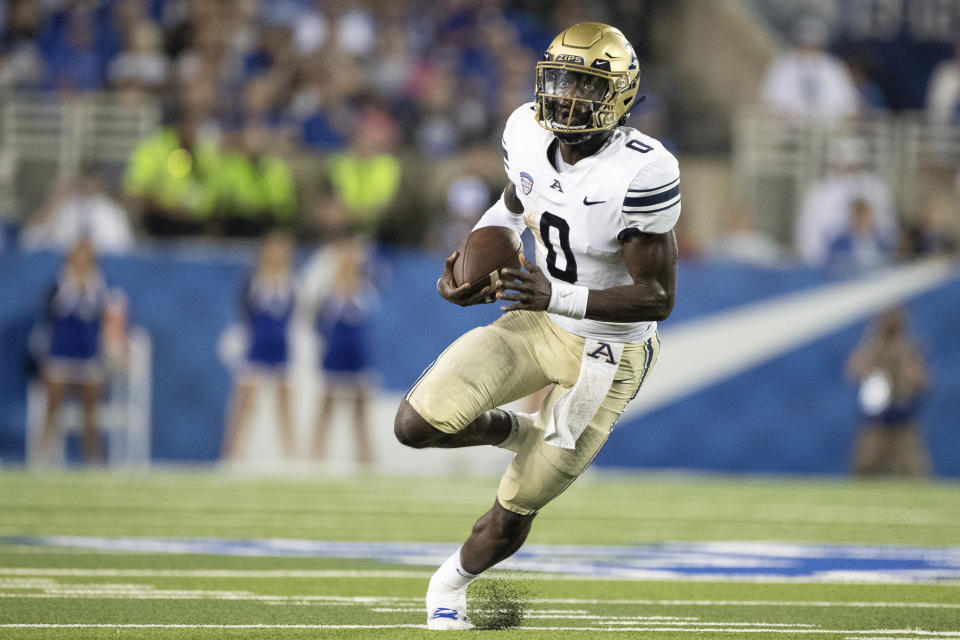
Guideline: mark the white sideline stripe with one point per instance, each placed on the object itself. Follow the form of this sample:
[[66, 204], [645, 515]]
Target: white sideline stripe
[[147, 593], [538, 612], [757, 603], [614, 620], [212, 573], [78, 625], [625, 621], [151, 595], [894, 634]]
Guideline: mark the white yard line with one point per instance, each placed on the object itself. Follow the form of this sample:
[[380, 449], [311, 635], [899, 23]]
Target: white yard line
[[895, 633], [212, 573], [614, 620], [858, 634], [50, 625], [756, 603], [626, 621], [143, 592]]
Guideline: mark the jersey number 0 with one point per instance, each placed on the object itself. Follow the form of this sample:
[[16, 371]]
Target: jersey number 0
[[548, 220], [568, 273]]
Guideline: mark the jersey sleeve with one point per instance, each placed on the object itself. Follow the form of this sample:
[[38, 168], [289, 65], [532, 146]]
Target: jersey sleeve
[[498, 215], [513, 136], [652, 203]]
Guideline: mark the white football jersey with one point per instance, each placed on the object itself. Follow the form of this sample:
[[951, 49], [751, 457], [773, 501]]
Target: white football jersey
[[580, 213]]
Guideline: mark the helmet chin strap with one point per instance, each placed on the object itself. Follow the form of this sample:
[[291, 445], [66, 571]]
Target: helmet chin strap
[[577, 139], [573, 138]]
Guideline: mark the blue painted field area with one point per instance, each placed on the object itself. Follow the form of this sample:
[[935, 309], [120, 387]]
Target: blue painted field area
[[753, 561]]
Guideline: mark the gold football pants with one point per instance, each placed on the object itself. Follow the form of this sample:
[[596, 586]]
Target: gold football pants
[[519, 354]]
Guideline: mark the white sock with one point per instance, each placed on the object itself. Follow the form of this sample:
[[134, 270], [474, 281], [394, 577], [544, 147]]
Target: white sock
[[521, 423], [451, 573]]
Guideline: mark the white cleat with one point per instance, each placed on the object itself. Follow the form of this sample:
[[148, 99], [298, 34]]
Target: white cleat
[[437, 621], [446, 608]]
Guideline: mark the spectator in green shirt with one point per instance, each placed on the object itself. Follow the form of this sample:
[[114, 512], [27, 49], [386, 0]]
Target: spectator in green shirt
[[366, 177], [257, 190], [173, 175]]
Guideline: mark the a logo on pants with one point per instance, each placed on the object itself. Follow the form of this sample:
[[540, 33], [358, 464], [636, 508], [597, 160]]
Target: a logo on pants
[[603, 351]]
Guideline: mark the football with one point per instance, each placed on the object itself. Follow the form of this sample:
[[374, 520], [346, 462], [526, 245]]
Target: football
[[483, 253]]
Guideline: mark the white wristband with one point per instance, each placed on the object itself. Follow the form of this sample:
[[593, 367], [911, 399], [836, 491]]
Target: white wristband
[[568, 300]]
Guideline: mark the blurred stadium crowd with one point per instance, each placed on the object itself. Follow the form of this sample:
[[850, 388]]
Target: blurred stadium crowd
[[292, 112], [325, 116]]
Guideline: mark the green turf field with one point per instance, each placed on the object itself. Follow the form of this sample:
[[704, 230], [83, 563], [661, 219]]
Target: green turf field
[[59, 590]]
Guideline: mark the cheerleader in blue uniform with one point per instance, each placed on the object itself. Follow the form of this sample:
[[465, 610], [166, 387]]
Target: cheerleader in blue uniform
[[267, 306], [343, 322], [74, 314]]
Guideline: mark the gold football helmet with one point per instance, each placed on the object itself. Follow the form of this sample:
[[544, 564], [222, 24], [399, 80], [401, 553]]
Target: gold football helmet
[[587, 81]]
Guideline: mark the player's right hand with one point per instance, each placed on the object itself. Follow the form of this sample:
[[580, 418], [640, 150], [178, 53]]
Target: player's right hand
[[450, 292]]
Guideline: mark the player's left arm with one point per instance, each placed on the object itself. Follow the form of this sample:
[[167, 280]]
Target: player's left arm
[[651, 260], [648, 245]]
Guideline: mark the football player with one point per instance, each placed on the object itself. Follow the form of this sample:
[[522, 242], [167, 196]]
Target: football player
[[601, 200]]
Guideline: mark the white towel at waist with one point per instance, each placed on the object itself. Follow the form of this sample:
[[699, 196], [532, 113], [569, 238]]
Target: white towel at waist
[[574, 410]]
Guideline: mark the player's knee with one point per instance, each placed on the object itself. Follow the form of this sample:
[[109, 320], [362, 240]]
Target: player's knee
[[411, 429], [508, 525]]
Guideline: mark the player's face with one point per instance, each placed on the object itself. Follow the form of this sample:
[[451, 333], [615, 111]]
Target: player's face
[[576, 95]]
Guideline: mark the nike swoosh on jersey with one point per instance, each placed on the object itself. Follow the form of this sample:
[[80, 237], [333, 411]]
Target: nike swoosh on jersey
[[589, 202]]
